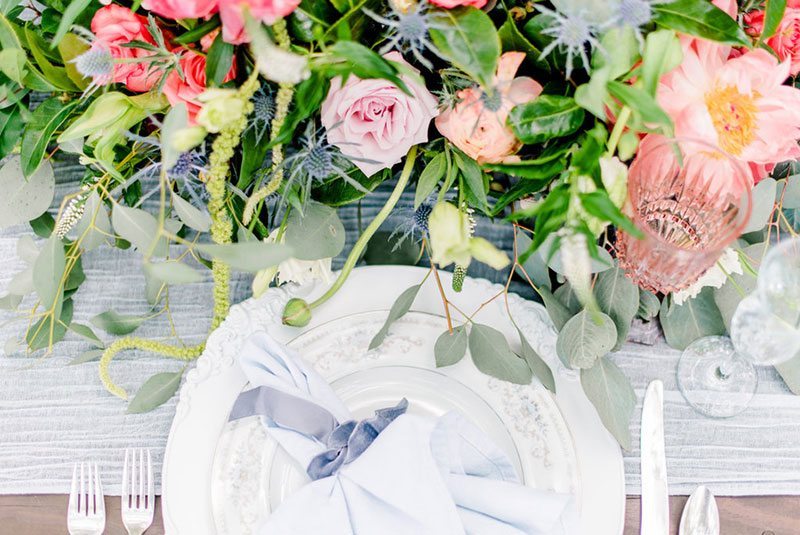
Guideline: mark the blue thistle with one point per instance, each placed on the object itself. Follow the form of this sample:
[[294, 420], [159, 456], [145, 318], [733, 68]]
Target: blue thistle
[[96, 63], [573, 33], [263, 111], [407, 31]]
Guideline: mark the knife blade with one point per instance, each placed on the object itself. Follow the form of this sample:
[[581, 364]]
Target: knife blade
[[700, 515], [655, 493]]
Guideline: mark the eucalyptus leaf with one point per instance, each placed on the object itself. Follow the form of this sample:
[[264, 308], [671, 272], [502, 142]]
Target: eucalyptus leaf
[[584, 339], [763, 204], [450, 348], [113, 322], [545, 118], [455, 33], [24, 200], [493, 356], [694, 319], [86, 332], [537, 365], [399, 308], [90, 355], [176, 119], [618, 297], [535, 265], [135, 225], [791, 194], [566, 296], [612, 396], [48, 271], [172, 272], [555, 309], [94, 225], [728, 297], [429, 178], [191, 216], [649, 305], [316, 233], [248, 256], [27, 251], [155, 391], [21, 284], [10, 301], [50, 329], [44, 121]]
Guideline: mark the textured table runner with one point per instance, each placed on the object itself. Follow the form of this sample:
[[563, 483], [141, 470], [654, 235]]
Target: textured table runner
[[52, 415]]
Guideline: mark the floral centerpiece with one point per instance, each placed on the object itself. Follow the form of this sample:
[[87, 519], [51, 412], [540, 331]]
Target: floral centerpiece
[[223, 135]]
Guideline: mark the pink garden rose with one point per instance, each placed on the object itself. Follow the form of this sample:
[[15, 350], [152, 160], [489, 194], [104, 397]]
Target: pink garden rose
[[373, 122], [181, 9], [786, 41], [114, 26], [186, 89], [267, 11], [482, 133], [450, 4]]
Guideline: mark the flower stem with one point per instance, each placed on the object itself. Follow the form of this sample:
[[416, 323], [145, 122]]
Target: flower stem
[[618, 130], [358, 248]]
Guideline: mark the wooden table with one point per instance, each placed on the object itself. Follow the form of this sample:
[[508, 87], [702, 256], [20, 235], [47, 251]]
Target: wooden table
[[46, 515]]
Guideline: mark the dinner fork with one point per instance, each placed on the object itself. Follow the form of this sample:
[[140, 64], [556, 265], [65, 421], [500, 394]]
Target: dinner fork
[[86, 513], [137, 507]]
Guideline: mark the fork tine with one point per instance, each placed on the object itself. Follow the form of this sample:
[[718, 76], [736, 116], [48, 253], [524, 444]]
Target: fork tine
[[90, 505], [133, 480], [72, 508], [141, 478], [150, 492], [100, 504], [82, 495], [125, 495]]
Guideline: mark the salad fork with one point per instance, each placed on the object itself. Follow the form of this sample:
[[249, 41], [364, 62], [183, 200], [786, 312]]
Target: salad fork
[[86, 513], [137, 507]]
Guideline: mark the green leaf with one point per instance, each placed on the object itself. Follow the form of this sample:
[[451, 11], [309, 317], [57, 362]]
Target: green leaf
[[467, 38], [70, 47], [401, 305], [86, 332], [618, 297], [191, 216], [531, 169], [450, 348], [48, 331], [135, 225], [773, 14], [582, 341], [566, 296], [493, 356], [113, 322], [87, 356], [547, 117], [198, 32], [13, 63], [662, 53], [12, 125], [537, 365], [45, 120], [385, 249], [48, 270], [763, 204], [700, 19], [155, 391], [72, 12], [612, 396], [24, 200], [559, 313], [94, 225], [694, 319], [248, 256], [618, 51], [43, 225], [536, 264], [592, 96], [316, 233], [429, 178], [176, 119], [219, 60], [649, 305], [643, 104], [473, 177], [172, 272], [55, 75], [511, 39], [600, 205], [357, 59]]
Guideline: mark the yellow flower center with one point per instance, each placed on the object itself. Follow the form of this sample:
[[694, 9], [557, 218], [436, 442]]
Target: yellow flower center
[[734, 117]]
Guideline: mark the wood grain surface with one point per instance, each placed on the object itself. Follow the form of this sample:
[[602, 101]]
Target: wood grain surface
[[46, 515]]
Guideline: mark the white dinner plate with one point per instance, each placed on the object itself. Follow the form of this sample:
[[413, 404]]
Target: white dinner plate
[[575, 454]]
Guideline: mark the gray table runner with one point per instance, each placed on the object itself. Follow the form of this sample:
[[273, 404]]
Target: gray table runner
[[52, 415]]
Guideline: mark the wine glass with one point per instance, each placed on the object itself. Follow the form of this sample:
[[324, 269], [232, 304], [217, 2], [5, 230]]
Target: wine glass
[[690, 200], [717, 374]]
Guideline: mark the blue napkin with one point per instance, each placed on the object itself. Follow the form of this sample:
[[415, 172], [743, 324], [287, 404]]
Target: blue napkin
[[394, 473]]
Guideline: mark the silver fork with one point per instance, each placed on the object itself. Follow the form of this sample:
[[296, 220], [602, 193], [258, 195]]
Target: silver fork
[[137, 507], [86, 513]]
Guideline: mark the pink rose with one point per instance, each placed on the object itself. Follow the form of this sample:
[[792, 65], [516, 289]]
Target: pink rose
[[267, 11], [114, 26], [186, 89], [786, 41], [450, 4], [375, 123], [480, 132], [181, 9]]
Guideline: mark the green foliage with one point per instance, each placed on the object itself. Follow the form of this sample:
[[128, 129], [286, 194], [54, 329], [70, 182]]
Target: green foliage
[[113, 322], [44, 122], [399, 309], [547, 117], [316, 233], [612, 396], [249, 256], [694, 319], [492, 355], [454, 33], [429, 178], [450, 348], [155, 392], [701, 19], [585, 338], [24, 200], [537, 365], [218, 61]]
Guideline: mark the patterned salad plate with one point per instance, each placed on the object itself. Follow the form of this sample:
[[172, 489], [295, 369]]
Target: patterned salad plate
[[222, 477]]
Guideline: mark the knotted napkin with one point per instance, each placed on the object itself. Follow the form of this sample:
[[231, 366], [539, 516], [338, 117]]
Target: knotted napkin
[[392, 474]]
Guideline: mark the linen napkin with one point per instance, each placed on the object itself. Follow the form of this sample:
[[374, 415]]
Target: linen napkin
[[394, 473]]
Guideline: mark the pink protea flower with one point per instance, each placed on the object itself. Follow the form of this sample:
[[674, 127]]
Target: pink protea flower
[[738, 104]]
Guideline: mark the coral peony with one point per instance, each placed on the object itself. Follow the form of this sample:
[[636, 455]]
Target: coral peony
[[267, 11], [193, 83], [475, 128], [181, 9]]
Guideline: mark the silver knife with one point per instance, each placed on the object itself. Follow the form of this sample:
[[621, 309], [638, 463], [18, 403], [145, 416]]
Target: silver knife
[[700, 515], [655, 493]]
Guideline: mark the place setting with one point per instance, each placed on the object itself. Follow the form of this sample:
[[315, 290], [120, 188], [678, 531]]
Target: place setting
[[466, 267]]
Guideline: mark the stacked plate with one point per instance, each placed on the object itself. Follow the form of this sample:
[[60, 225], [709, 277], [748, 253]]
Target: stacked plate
[[222, 477]]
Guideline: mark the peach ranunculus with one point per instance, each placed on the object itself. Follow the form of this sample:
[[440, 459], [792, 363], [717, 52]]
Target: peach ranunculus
[[181, 9], [114, 26], [786, 41], [375, 123], [738, 104], [267, 11], [481, 132], [188, 88], [450, 4]]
